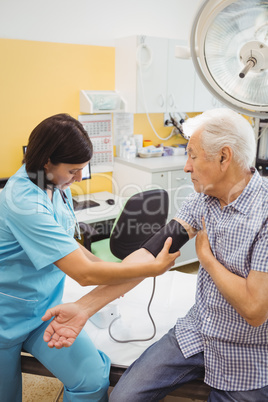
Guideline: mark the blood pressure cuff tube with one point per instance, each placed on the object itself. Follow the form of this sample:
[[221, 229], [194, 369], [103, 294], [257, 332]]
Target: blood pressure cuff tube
[[173, 229]]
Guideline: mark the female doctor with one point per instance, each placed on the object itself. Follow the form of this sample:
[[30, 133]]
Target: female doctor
[[37, 249]]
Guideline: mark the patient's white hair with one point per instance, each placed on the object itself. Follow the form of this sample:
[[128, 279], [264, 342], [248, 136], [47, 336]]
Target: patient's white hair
[[224, 127]]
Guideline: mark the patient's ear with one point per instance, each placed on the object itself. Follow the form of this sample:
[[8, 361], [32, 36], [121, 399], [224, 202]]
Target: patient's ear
[[226, 156]]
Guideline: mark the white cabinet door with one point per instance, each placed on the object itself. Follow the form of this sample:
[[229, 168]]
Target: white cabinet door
[[181, 81], [151, 79], [164, 82], [152, 54], [141, 73], [203, 98]]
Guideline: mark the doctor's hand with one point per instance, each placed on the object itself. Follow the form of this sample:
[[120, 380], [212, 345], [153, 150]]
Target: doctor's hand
[[165, 259], [69, 320]]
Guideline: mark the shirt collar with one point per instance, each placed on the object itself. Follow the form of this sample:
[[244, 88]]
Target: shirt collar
[[243, 203]]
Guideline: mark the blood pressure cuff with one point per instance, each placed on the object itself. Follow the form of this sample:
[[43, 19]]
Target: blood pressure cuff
[[173, 229]]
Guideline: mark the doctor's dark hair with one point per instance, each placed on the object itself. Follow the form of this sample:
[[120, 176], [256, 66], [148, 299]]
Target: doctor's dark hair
[[60, 138]]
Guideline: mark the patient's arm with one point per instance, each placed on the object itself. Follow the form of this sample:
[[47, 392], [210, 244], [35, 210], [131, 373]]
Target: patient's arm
[[248, 296], [104, 294], [70, 318]]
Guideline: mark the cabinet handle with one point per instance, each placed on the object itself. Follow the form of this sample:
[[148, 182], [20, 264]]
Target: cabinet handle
[[180, 178], [161, 100], [171, 100]]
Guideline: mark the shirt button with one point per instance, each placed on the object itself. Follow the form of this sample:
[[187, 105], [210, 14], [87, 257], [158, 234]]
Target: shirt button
[[208, 319], [212, 294]]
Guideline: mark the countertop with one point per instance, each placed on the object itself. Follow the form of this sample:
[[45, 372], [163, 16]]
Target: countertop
[[155, 164]]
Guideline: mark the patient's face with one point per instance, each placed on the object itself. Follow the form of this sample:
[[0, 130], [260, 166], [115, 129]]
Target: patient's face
[[205, 172]]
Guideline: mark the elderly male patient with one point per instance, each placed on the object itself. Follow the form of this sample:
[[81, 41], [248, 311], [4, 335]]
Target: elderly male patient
[[224, 336]]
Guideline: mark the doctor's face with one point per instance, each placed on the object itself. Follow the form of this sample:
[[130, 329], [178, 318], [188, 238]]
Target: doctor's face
[[205, 171], [63, 175]]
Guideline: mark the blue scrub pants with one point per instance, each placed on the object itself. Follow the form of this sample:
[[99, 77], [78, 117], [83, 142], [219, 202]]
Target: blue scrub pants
[[163, 368], [82, 369]]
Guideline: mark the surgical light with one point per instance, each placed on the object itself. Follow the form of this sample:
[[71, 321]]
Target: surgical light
[[229, 49]]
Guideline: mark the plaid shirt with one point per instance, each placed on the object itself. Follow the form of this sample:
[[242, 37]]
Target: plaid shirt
[[235, 353]]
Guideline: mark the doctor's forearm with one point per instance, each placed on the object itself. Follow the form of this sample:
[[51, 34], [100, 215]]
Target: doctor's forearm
[[87, 272], [88, 254], [104, 294]]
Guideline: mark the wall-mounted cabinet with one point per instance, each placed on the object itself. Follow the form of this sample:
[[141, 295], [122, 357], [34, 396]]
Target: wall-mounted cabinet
[[203, 99], [141, 73], [181, 81], [151, 79]]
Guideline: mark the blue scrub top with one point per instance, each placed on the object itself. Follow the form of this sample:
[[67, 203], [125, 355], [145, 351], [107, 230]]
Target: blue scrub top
[[34, 233]]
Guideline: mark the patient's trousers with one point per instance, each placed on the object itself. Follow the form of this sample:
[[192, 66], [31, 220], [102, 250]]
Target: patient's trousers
[[163, 368]]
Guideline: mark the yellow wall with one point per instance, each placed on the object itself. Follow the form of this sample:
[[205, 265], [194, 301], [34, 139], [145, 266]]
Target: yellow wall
[[39, 79], [142, 126]]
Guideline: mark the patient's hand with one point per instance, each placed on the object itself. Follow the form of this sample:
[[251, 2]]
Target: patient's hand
[[202, 246], [69, 320]]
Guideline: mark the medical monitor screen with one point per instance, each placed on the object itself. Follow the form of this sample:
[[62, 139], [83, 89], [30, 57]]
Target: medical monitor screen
[[86, 172]]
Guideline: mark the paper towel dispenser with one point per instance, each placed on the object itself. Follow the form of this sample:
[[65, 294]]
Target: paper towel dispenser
[[101, 102]]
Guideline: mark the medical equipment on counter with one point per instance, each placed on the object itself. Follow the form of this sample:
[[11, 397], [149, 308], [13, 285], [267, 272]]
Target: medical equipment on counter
[[138, 138], [150, 151], [104, 317], [127, 148]]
